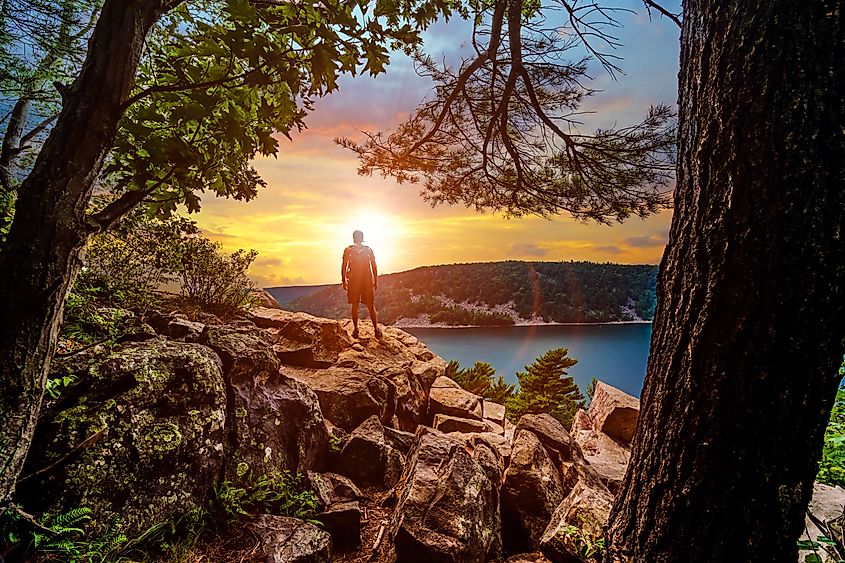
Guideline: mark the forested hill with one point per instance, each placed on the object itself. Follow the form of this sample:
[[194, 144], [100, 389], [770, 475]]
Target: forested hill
[[502, 293]]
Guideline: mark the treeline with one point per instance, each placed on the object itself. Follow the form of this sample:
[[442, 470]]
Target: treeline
[[553, 291]]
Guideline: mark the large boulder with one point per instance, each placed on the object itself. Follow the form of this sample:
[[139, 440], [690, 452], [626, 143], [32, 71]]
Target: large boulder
[[448, 507], [139, 436], [494, 412], [551, 434], [496, 441], [348, 397], [276, 422], [607, 456], [454, 401], [290, 540], [447, 424], [370, 457], [533, 488], [332, 488], [581, 515], [614, 412]]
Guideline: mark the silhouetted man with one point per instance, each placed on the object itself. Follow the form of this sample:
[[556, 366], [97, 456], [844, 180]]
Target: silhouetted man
[[359, 276]]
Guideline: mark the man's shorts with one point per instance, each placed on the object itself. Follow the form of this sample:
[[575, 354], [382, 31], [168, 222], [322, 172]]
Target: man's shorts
[[360, 290]]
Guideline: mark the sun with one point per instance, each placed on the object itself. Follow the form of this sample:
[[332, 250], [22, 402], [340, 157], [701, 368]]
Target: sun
[[380, 231]]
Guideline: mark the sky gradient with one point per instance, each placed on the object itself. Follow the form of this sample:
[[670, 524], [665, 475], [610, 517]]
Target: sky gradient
[[314, 199]]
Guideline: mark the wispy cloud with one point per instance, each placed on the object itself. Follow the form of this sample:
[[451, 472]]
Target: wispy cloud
[[529, 250]]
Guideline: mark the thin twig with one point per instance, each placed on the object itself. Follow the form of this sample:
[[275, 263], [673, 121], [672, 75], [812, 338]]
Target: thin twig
[[85, 444]]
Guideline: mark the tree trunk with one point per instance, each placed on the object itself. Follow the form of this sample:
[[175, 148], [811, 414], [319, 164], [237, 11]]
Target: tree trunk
[[41, 254], [750, 323], [12, 139]]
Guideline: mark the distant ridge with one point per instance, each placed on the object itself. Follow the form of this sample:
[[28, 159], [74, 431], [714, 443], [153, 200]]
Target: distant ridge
[[287, 293], [496, 293]]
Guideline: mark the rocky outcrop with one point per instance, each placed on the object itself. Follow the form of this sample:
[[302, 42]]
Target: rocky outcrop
[[389, 378], [290, 540], [164, 419], [496, 441], [140, 436], [608, 454], [494, 414], [448, 507]]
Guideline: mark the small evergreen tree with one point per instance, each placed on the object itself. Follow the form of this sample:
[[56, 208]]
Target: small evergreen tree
[[475, 379], [546, 387], [591, 388], [480, 379]]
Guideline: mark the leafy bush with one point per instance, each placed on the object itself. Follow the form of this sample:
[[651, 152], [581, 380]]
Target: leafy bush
[[277, 493], [214, 280], [122, 270], [545, 387], [479, 379], [832, 464], [125, 265]]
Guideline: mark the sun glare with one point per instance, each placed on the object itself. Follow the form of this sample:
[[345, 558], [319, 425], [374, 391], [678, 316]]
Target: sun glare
[[380, 231]]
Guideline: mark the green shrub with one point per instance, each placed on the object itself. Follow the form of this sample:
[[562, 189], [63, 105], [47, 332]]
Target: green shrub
[[214, 280], [832, 464], [127, 264], [545, 387]]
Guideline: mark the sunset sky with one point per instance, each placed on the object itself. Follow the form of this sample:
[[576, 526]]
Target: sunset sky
[[314, 200]]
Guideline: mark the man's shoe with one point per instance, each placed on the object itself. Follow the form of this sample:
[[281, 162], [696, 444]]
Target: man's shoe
[[355, 333]]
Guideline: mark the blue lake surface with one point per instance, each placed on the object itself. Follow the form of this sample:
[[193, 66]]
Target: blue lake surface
[[616, 354]]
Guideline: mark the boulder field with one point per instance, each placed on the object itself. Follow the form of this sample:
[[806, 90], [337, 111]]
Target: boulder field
[[406, 465]]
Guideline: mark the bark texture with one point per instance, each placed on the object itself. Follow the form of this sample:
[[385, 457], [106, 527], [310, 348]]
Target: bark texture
[[750, 324], [41, 256]]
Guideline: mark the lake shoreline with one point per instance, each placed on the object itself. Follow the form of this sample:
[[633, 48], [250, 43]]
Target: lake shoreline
[[527, 324]]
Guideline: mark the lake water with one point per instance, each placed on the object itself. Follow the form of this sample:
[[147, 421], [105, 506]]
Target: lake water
[[616, 354]]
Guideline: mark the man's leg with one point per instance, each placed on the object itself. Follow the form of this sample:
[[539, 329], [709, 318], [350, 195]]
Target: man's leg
[[355, 319], [374, 317]]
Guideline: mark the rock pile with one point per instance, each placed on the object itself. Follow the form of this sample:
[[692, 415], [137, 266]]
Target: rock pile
[[406, 465]]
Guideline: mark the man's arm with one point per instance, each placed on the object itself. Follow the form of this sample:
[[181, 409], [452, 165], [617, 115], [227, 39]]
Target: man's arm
[[343, 269], [374, 268]]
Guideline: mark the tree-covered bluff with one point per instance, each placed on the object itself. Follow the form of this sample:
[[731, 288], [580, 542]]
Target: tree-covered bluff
[[503, 293]]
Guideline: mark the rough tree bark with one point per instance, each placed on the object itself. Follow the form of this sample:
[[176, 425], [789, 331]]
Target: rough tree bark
[[41, 256], [750, 324]]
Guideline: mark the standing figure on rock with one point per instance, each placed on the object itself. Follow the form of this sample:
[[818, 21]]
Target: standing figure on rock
[[359, 276]]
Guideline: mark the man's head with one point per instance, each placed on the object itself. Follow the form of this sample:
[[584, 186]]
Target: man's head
[[357, 237]]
